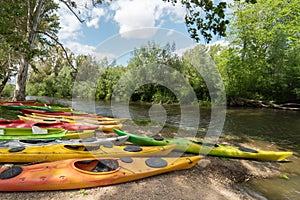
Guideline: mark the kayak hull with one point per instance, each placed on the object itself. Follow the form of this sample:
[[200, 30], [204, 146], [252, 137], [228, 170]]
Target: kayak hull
[[42, 133], [39, 107], [189, 146], [73, 120], [68, 151], [76, 113], [45, 124], [85, 141], [105, 128], [19, 103], [86, 173]]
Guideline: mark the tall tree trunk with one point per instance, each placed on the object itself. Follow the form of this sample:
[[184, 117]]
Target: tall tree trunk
[[7, 72], [20, 91], [4, 81]]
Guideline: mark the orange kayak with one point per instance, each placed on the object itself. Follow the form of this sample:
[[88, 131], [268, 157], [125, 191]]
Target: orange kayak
[[86, 173]]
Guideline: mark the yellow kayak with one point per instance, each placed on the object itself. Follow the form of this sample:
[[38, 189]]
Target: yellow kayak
[[75, 117], [43, 153], [109, 128], [29, 117]]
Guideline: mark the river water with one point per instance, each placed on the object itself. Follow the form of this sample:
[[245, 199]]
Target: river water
[[278, 127]]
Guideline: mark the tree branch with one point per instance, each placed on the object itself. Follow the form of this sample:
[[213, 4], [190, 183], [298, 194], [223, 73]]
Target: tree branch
[[71, 9], [61, 45]]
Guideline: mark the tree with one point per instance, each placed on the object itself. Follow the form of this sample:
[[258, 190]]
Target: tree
[[25, 25], [29, 25], [6, 66], [9, 49], [52, 75], [263, 61]]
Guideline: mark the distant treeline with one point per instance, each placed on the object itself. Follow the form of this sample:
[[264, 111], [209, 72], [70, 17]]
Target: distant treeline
[[262, 62]]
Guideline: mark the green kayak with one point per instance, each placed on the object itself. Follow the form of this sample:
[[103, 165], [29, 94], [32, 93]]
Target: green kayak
[[42, 133], [222, 150]]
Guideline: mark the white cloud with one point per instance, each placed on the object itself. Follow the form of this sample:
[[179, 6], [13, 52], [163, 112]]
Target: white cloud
[[136, 14], [222, 43], [96, 15], [79, 48], [170, 32], [70, 26], [181, 51], [136, 19]]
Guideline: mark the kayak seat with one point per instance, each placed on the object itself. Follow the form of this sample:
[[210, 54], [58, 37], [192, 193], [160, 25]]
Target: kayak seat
[[106, 166]]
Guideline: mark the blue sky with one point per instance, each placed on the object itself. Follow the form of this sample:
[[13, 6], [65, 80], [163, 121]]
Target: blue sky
[[115, 29]]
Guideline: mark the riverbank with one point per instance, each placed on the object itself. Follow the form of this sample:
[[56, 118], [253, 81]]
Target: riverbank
[[211, 178], [255, 103]]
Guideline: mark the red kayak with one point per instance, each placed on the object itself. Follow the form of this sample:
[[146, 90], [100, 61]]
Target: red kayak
[[20, 103], [57, 113], [27, 124]]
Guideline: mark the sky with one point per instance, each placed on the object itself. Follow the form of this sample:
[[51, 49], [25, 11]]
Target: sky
[[113, 30]]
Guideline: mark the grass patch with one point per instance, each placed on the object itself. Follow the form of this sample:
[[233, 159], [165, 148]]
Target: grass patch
[[141, 122], [6, 113]]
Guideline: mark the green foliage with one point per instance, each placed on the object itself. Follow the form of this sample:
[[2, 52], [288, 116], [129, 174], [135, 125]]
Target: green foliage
[[143, 68], [52, 76], [150, 68], [8, 90], [88, 72], [27, 30], [206, 18], [263, 59], [107, 80]]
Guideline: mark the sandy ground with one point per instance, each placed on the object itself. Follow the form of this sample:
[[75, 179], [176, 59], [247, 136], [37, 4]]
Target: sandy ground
[[212, 178]]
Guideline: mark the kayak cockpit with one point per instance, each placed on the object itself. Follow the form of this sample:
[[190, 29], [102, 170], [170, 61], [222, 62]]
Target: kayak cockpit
[[82, 147], [97, 166]]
